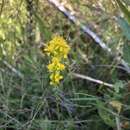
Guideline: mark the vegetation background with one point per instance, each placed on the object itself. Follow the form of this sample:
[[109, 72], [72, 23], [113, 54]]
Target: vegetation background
[[28, 102]]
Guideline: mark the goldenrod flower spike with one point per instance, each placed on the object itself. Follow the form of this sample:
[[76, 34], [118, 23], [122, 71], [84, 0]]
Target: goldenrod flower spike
[[57, 47], [55, 78], [55, 65], [58, 50]]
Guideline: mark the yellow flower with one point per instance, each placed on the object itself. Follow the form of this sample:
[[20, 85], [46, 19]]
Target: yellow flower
[[57, 47], [55, 78], [48, 49], [55, 65], [58, 50]]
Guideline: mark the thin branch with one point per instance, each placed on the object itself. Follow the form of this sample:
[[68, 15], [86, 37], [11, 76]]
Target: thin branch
[[93, 80], [89, 32], [2, 6], [110, 66], [118, 123], [83, 27], [13, 69]]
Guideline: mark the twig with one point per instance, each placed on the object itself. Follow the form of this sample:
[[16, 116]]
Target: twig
[[118, 123], [10, 117], [92, 80], [13, 69], [83, 27], [2, 6], [109, 66], [88, 31]]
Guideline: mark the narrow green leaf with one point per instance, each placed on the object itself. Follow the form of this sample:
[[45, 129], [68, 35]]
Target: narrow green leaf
[[125, 27], [42, 27], [107, 117], [118, 85], [126, 2], [126, 53], [124, 10]]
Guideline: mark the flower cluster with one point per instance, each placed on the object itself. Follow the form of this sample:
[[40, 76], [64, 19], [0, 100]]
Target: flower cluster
[[57, 49]]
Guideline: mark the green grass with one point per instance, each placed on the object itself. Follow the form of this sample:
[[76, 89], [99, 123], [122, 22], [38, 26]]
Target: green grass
[[30, 103]]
